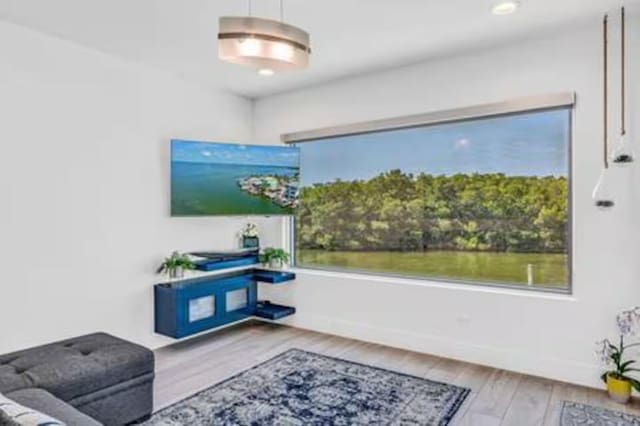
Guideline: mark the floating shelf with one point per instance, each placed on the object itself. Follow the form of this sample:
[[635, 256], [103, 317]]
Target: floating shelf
[[273, 277], [271, 311], [216, 265]]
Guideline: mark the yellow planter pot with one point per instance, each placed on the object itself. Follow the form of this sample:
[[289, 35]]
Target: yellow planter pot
[[619, 390]]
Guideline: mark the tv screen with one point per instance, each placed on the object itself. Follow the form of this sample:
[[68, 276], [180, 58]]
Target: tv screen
[[210, 179]]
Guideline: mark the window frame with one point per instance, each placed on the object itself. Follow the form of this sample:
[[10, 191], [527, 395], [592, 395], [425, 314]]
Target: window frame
[[558, 101]]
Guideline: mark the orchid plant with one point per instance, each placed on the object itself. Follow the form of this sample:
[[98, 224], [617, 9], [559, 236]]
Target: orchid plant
[[250, 230], [614, 356]]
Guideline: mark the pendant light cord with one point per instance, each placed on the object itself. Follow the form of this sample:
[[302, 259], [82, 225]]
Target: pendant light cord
[[249, 7], [605, 32], [623, 94]]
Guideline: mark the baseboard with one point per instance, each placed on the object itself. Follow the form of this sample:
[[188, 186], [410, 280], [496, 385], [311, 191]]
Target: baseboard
[[578, 373]]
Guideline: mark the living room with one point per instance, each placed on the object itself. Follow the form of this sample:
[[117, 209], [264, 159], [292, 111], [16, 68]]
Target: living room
[[490, 295]]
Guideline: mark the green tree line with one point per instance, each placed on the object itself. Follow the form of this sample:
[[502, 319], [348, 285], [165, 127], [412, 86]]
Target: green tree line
[[402, 212]]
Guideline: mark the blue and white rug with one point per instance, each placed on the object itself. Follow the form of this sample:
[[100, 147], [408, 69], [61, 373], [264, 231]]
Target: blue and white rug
[[304, 388], [576, 414]]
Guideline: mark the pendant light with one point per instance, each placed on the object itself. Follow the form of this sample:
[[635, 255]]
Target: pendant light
[[265, 44], [623, 152], [602, 193]]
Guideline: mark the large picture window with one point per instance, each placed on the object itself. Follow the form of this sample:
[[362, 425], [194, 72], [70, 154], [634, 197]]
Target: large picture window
[[479, 201]]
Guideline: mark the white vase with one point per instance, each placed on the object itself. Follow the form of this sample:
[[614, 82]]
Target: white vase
[[275, 264], [176, 273]]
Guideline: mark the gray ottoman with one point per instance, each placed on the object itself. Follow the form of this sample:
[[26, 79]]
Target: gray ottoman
[[106, 378]]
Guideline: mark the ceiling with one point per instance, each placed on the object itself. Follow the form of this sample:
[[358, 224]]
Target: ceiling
[[348, 36]]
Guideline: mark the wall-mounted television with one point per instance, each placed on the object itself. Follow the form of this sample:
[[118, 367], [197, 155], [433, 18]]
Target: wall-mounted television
[[211, 179]]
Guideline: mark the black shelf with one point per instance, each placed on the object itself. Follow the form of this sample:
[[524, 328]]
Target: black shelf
[[273, 277], [271, 311]]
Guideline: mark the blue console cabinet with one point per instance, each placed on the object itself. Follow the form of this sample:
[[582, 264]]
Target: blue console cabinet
[[190, 306]]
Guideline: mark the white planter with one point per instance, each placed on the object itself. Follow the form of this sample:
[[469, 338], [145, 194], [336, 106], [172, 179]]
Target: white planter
[[176, 273], [275, 264]]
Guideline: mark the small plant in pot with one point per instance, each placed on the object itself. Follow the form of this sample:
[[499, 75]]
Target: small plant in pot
[[175, 265], [250, 236], [618, 379], [274, 257]]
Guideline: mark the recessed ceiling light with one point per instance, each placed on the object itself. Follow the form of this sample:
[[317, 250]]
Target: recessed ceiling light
[[505, 7], [266, 72]]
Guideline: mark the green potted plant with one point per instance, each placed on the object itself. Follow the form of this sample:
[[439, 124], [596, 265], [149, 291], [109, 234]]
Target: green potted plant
[[617, 378], [175, 265], [274, 257], [250, 236]]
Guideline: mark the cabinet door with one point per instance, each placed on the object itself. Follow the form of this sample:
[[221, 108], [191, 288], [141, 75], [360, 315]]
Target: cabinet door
[[214, 303], [201, 308]]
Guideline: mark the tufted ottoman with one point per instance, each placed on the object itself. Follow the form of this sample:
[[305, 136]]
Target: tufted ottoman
[[106, 378]]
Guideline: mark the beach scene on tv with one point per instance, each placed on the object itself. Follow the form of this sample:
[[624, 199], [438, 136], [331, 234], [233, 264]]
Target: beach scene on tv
[[209, 179]]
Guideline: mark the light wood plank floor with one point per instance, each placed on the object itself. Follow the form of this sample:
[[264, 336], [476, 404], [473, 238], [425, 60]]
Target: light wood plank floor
[[497, 397]]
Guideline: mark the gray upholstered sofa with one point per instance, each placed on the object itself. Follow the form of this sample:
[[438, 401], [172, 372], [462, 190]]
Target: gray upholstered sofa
[[89, 380]]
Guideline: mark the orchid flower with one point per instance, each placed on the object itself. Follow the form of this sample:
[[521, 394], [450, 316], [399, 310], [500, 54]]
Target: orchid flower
[[613, 356], [250, 230], [628, 321], [604, 352]]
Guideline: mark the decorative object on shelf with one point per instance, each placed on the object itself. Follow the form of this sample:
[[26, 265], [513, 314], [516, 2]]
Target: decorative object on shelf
[[250, 236], [622, 151], [602, 193], [619, 382], [274, 257], [175, 265], [265, 44]]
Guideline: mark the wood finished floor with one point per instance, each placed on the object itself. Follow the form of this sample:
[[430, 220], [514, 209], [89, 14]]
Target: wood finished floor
[[497, 397]]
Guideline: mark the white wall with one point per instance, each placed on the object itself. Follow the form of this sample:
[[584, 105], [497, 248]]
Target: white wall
[[84, 187], [546, 335]]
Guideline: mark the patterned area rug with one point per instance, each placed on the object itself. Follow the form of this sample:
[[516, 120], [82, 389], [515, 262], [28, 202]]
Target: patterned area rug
[[304, 388], [576, 414]]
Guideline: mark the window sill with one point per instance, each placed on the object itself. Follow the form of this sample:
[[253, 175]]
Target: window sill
[[538, 293]]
